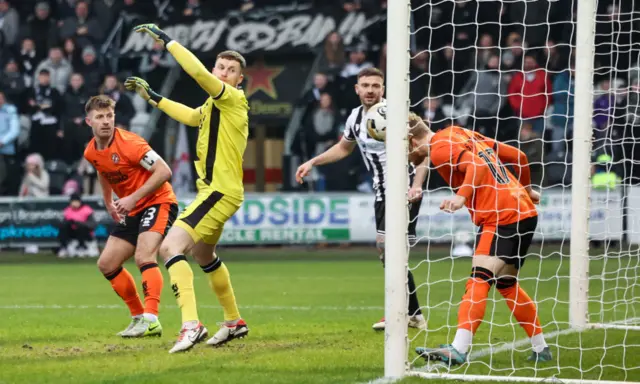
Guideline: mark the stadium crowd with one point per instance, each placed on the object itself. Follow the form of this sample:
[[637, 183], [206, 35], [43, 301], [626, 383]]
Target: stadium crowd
[[472, 65]]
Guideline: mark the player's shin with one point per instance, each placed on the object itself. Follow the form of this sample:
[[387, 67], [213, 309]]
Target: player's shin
[[152, 283], [523, 309], [220, 282], [182, 287], [125, 286], [472, 307]]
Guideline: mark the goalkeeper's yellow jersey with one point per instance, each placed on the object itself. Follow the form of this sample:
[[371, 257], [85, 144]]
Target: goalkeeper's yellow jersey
[[222, 140], [223, 127]]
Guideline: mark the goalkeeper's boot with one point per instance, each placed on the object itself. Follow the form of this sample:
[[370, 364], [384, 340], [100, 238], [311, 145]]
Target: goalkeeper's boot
[[227, 333], [446, 353], [541, 357], [189, 337], [133, 323], [144, 328]]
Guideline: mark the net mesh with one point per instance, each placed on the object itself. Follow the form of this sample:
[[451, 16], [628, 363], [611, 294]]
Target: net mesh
[[506, 69]]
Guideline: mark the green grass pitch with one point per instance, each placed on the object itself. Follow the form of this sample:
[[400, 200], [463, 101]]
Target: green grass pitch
[[310, 316]]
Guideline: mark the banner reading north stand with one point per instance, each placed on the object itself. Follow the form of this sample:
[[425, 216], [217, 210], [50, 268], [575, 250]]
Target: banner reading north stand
[[279, 29]]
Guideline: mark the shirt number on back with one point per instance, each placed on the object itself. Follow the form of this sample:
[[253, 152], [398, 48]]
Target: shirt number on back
[[497, 169]]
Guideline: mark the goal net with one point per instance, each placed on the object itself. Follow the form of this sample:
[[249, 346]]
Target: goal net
[[560, 80]]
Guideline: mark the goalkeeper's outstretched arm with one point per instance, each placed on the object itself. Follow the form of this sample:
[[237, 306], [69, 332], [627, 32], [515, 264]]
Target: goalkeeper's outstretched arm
[[180, 112], [194, 67]]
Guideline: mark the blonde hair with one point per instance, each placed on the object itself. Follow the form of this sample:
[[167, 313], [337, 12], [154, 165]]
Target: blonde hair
[[418, 128], [99, 102]]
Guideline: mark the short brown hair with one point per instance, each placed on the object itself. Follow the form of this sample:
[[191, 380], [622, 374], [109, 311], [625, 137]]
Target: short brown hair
[[99, 102], [233, 55], [371, 71], [417, 127]]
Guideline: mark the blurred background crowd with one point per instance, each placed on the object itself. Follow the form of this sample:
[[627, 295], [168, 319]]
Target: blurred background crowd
[[473, 64]]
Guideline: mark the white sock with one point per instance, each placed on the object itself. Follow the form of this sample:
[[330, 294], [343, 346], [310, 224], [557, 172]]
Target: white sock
[[137, 317], [231, 323], [150, 317], [462, 341], [190, 324], [538, 343], [418, 317]]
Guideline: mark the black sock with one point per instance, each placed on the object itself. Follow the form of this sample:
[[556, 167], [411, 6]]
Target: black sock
[[414, 306]]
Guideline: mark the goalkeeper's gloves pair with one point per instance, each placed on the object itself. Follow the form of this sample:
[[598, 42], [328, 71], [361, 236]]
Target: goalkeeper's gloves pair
[[140, 86]]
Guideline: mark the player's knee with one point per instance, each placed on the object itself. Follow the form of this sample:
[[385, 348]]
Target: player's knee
[[506, 282], [484, 274], [106, 264]]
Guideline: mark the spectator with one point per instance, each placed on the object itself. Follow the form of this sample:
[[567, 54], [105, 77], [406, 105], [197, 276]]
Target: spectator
[[9, 130], [46, 107], [76, 231], [434, 115], [72, 53], [35, 182], [124, 107], [75, 132], [12, 83], [357, 62], [529, 94], [59, 69], [512, 55], [91, 70], [41, 27], [66, 9], [382, 63], [563, 110], [193, 10], [334, 52], [85, 29], [486, 47], [108, 11], [481, 96], [321, 133], [28, 60], [602, 174], [420, 80], [9, 23]]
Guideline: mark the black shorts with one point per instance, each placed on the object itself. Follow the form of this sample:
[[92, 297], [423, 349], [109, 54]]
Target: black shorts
[[414, 210], [509, 242], [155, 218]]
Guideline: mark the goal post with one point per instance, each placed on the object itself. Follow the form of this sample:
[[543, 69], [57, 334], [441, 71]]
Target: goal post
[[396, 218], [581, 180]]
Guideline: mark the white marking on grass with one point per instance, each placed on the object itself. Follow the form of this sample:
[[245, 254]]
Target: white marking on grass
[[249, 307]]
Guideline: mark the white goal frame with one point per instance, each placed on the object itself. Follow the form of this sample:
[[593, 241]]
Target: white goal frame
[[396, 363]]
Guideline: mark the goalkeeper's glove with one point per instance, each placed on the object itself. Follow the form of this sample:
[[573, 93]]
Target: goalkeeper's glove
[[142, 88], [153, 31]]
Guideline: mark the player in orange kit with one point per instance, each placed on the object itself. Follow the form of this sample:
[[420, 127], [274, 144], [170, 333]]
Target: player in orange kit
[[145, 211], [502, 206]]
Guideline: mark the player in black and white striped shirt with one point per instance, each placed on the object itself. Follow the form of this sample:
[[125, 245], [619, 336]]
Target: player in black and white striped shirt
[[370, 88]]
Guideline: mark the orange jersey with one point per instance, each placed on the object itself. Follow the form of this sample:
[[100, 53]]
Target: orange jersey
[[473, 166], [119, 164]]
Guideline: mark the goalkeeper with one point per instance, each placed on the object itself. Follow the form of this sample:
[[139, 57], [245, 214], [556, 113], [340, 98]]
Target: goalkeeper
[[222, 138], [503, 208]]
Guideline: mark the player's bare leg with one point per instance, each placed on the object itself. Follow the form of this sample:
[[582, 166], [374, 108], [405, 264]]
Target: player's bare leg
[[115, 253], [234, 327], [147, 262], [416, 319], [173, 250], [524, 310]]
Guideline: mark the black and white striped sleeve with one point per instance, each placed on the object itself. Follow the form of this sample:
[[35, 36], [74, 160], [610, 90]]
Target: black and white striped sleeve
[[349, 133]]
